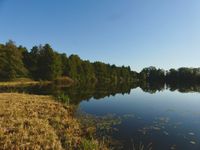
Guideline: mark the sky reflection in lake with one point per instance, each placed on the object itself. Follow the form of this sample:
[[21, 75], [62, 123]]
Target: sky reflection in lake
[[168, 120]]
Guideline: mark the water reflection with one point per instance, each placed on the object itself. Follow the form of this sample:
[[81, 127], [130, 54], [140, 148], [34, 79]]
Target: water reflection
[[77, 93]]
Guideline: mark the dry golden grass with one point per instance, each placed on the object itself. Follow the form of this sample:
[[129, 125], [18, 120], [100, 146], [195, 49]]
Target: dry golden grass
[[36, 122], [17, 83], [20, 83]]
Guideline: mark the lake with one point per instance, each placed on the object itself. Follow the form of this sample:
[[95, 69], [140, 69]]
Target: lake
[[163, 119]]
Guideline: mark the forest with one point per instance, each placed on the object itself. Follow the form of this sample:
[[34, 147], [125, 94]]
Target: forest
[[44, 63]]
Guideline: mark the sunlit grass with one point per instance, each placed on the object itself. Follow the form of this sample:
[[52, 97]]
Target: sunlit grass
[[62, 81], [22, 82], [39, 122]]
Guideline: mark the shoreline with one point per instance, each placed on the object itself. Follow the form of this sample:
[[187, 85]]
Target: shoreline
[[23, 83], [40, 122]]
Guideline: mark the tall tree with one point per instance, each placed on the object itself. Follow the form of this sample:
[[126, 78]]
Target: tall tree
[[49, 63], [11, 64]]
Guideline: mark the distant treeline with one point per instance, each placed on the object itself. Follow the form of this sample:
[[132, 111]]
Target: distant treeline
[[182, 75], [44, 63]]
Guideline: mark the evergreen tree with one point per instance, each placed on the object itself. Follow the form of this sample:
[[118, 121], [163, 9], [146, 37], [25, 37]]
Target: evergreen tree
[[49, 64], [11, 64]]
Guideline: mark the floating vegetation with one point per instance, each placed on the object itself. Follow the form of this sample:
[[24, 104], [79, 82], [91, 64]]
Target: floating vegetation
[[163, 120], [158, 125], [155, 128], [100, 127], [103, 127], [103, 124], [173, 147], [165, 132], [191, 133], [162, 125], [142, 146], [126, 116], [192, 142], [143, 131]]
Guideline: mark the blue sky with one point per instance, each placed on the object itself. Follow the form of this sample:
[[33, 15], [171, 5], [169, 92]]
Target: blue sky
[[139, 33]]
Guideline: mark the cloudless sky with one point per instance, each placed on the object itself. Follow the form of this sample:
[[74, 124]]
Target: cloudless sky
[[139, 33]]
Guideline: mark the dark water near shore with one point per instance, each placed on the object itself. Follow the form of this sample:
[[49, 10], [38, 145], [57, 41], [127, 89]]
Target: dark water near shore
[[164, 117]]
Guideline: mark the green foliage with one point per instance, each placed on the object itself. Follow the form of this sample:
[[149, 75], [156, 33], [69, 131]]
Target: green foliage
[[31, 61], [49, 64], [62, 97], [65, 64], [182, 78], [111, 73], [11, 64], [89, 144], [151, 74], [187, 75], [75, 67], [43, 63]]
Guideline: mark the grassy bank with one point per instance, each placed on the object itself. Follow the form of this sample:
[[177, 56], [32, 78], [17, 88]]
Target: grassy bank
[[22, 82], [39, 122]]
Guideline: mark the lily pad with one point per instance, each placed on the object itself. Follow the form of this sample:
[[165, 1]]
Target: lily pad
[[165, 132]]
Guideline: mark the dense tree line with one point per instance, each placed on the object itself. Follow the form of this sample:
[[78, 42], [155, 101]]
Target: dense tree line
[[43, 63], [180, 76], [183, 75], [151, 74]]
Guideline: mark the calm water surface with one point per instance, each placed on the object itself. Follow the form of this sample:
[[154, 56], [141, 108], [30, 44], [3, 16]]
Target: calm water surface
[[165, 119]]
